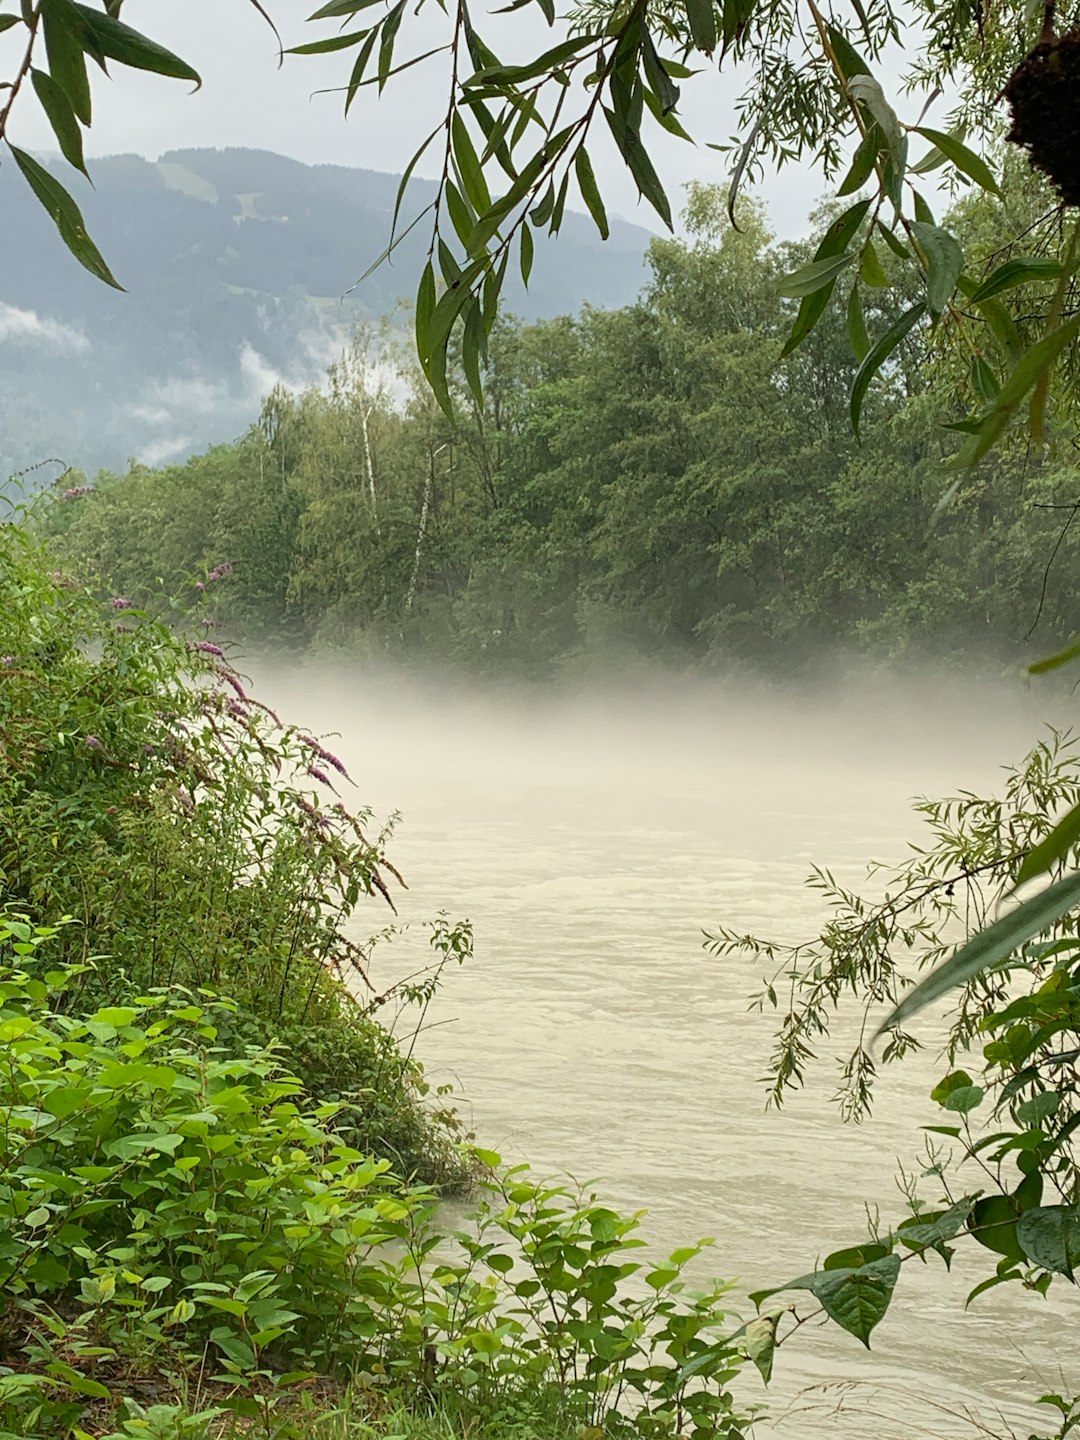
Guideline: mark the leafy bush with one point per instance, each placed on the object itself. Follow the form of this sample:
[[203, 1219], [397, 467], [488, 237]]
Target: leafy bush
[[144, 792], [171, 1204]]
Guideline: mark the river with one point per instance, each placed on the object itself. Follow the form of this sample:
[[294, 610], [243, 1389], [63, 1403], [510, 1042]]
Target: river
[[591, 840]]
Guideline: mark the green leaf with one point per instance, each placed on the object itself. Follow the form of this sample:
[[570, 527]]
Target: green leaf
[[119, 42], [926, 1232], [701, 18], [1054, 847], [864, 88], [983, 380], [628, 140], [871, 271], [1054, 662], [67, 62], [7, 21], [590, 192], [877, 356], [855, 1256], [965, 1098], [468, 165], [965, 160], [858, 1299], [331, 44], [991, 946], [759, 1342], [862, 162], [1023, 270], [993, 1221], [1049, 1236], [956, 1080], [895, 244], [1026, 373], [834, 242], [526, 255], [62, 118], [814, 276], [944, 262], [66, 216]]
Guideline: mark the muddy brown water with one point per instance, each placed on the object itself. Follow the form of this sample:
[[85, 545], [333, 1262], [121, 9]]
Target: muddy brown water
[[591, 840]]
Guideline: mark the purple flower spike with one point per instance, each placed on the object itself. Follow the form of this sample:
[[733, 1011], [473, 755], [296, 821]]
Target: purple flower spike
[[321, 776], [121, 602], [76, 492], [93, 743], [207, 647]]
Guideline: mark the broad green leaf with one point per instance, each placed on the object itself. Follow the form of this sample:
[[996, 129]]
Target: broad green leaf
[[930, 1232], [992, 1222], [964, 1099], [990, 947], [814, 276], [965, 160], [66, 216], [1054, 847], [67, 61], [590, 192], [834, 242], [858, 1299], [759, 1342], [955, 1080], [119, 42], [862, 162], [877, 356], [701, 18], [855, 1256], [7, 21], [1023, 270], [870, 268], [61, 116], [847, 57], [1049, 1236], [864, 88], [944, 261]]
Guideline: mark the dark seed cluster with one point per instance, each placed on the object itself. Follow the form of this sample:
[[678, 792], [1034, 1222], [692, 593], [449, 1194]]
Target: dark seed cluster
[[1044, 96]]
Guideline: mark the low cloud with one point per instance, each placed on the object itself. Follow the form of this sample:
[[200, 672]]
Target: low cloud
[[28, 327], [158, 452]]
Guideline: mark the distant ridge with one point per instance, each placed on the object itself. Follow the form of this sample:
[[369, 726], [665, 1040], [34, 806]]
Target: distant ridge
[[235, 263]]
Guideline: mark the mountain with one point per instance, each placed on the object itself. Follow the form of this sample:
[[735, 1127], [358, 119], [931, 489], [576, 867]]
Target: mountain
[[235, 265]]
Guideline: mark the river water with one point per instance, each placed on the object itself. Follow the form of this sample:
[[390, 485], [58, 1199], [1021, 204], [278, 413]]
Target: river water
[[591, 841]]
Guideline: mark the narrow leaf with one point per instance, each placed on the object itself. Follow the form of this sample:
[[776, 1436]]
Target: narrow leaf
[[590, 192], [61, 116], [126, 46], [66, 216], [1024, 270], [877, 356], [991, 946], [965, 160], [944, 262], [814, 276]]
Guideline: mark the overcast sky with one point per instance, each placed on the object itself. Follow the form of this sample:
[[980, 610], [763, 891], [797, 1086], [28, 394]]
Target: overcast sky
[[247, 100]]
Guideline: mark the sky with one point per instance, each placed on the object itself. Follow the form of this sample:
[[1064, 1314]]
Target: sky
[[248, 100]]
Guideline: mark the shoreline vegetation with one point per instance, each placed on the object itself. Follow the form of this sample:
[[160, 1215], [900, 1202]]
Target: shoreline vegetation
[[219, 1175]]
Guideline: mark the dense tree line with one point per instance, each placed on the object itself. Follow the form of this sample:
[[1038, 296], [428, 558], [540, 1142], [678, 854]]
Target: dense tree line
[[645, 480]]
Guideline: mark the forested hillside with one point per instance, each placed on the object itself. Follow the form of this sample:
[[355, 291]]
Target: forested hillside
[[641, 481], [236, 265]]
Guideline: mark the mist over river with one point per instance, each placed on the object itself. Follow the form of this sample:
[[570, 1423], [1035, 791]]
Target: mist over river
[[591, 838]]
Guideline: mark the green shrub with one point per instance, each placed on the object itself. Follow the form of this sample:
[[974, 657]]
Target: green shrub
[[144, 792], [171, 1204]]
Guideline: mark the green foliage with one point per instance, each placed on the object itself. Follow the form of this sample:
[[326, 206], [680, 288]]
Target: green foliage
[[172, 1203], [1000, 1161], [137, 769], [646, 480]]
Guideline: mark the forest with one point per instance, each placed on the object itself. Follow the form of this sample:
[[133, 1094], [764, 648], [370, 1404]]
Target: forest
[[643, 482]]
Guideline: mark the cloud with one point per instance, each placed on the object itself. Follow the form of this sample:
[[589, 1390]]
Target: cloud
[[193, 395], [150, 414], [159, 451], [28, 326]]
